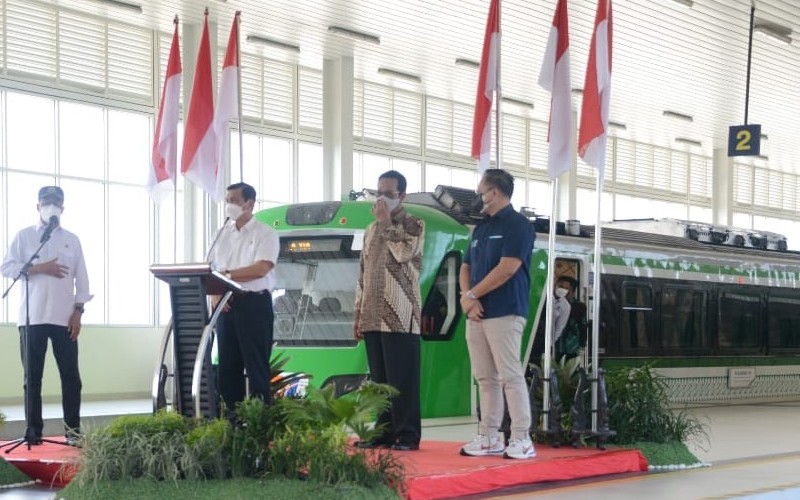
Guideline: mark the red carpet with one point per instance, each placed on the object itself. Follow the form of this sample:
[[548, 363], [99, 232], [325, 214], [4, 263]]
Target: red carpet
[[438, 471], [435, 471], [46, 463]]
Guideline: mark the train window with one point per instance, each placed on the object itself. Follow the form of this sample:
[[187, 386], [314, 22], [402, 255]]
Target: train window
[[636, 319], [314, 294], [683, 318], [739, 323], [442, 308], [784, 322]]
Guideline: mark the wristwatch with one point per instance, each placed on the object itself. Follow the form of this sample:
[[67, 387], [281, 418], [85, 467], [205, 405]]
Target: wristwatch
[[228, 275], [470, 295], [79, 308]]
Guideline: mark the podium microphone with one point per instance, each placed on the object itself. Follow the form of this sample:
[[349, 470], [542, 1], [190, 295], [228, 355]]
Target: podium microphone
[[50, 228], [216, 238]]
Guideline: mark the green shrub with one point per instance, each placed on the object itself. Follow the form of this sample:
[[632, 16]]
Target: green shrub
[[639, 410], [209, 445]]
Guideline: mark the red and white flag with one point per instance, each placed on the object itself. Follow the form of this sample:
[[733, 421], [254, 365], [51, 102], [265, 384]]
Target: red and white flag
[[228, 98], [597, 91], [487, 85], [555, 78], [199, 161], [164, 160]]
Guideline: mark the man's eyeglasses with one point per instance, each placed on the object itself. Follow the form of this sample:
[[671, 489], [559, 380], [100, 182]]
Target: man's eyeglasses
[[388, 194]]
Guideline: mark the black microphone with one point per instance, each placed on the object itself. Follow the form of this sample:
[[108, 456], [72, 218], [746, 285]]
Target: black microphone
[[219, 232], [50, 228]]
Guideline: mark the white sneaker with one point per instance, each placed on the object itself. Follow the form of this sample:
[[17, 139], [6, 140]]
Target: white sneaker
[[520, 448], [482, 446]]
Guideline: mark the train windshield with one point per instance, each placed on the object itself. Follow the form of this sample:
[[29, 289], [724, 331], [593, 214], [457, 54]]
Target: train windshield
[[315, 288]]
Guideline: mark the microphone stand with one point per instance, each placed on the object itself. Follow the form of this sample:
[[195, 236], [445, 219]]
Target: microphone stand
[[216, 238], [26, 351]]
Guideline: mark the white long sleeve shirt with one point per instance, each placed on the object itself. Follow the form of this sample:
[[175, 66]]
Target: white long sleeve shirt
[[561, 309], [243, 247], [52, 300]]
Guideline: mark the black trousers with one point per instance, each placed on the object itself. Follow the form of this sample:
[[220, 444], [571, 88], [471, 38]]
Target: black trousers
[[244, 335], [394, 359], [66, 353]]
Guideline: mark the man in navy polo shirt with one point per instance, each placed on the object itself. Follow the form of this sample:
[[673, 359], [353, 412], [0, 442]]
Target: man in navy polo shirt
[[495, 281]]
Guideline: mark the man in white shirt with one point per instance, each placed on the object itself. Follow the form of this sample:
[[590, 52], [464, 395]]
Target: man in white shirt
[[58, 287], [246, 252]]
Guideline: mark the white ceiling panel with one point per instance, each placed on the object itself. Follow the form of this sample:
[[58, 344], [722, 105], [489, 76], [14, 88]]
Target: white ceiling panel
[[666, 56]]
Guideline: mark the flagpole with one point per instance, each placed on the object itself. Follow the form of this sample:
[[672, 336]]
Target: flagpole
[[174, 192], [598, 230], [498, 91], [548, 296], [239, 93]]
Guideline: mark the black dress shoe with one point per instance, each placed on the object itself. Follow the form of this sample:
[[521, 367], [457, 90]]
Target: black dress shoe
[[34, 440], [405, 446], [372, 444]]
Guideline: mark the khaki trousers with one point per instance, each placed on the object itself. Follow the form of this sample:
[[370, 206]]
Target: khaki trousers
[[494, 351]]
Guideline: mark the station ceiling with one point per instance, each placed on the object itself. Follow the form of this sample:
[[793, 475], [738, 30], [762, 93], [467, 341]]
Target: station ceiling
[[688, 57]]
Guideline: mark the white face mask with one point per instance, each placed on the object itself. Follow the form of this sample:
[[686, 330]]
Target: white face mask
[[561, 292], [233, 211], [391, 204], [47, 211]]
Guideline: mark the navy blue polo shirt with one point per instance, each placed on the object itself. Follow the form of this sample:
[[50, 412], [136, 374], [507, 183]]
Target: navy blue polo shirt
[[506, 234]]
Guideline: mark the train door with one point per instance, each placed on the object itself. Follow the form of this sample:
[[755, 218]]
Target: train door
[[575, 271]]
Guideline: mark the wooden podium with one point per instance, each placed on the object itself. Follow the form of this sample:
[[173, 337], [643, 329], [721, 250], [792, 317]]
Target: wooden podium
[[187, 339]]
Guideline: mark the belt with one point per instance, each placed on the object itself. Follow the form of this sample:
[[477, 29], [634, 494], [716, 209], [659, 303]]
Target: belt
[[259, 292]]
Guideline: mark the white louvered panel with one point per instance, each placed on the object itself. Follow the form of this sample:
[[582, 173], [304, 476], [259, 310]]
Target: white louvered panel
[[278, 93], [789, 188], [760, 187], [31, 39], [130, 61], [81, 50], [310, 98], [2, 49], [462, 130], [626, 162], [537, 145], [407, 115], [252, 86], [377, 113], [775, 180], [358, 109], [643, 174], [679, 172], [699, 176], [743, 184], [439, 125], [662, 166], [514, 135]]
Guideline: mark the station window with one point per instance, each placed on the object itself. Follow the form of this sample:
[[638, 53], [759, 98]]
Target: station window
[[683, 318], [637, 311], [442, 308]]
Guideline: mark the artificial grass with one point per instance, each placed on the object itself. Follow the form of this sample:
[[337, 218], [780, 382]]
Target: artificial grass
[[11, 475], [230, 489], [673, 453]]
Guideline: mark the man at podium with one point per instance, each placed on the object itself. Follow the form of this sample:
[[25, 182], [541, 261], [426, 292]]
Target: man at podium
[[246, 252]]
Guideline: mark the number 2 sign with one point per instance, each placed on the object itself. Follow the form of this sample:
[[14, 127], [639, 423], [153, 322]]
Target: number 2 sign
[[744, 140]]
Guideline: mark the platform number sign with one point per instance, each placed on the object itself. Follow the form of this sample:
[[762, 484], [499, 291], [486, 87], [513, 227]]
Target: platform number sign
[[744, 140]]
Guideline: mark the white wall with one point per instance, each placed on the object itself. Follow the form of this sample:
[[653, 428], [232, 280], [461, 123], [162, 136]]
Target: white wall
[[115, 363]]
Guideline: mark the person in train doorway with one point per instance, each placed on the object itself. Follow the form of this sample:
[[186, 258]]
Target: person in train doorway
[[561, 311], [387, 312], [246, 252], [495, 284], [573, 336], [58, 288]]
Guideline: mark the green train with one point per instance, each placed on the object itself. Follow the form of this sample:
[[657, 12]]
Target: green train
[[720, 322]]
